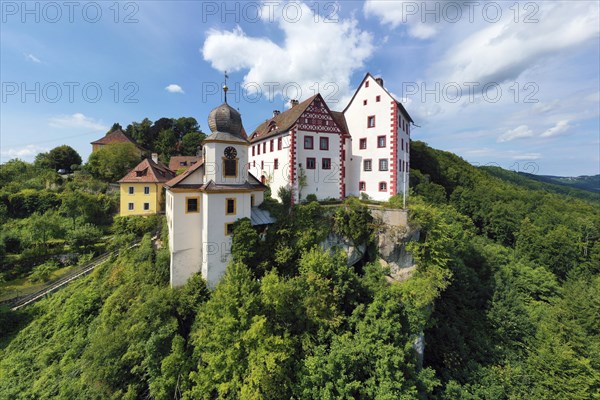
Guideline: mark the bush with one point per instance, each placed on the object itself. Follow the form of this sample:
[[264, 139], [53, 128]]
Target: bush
[[42, 272], [311, 197], [84, 237]]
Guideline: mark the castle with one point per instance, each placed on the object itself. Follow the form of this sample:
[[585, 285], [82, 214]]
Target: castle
[[308, 149]]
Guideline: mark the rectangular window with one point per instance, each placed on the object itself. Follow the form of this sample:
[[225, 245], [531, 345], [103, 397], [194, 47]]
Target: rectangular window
[[362, 186], [130, 206], [264, 147], [326, 163], [310, 163], [279, 143], [380, 141], [371, 121], [378, 99], [402, 144], [363, 144], [382, 187], [251, 200], [367, 84], [308, 142], [146, 206], [262, 164], [276, 164], [131, 189], [364, 102], [367, 166], [146, 189], [258, 149], [229, 168], [253, 150], [324, 143], [229, 229], [271, 145], [192, 204], [230, 206], [254, 163], [383, 164]]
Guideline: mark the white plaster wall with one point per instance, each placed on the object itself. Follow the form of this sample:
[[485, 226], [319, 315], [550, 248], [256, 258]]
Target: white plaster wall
[[356, 117], [323, 183], [216, 245], [213, 164], [185, 233], [276, 178]]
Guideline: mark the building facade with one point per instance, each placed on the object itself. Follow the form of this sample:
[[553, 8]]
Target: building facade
[[204, 202], [141, 190], [313, 150]]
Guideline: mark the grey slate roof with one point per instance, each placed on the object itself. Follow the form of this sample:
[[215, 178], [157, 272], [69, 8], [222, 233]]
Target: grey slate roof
[[260, 217]]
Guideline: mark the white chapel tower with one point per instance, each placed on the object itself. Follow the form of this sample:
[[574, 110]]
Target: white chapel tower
[[203, 203]]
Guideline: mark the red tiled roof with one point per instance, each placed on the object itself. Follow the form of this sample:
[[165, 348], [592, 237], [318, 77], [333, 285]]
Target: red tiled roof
[[117, 136], [148, 172], [283, 121], [339, 118], [179, 162], [175, 181]]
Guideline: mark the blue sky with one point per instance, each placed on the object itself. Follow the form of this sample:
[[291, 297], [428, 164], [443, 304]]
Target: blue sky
[[503, 83]]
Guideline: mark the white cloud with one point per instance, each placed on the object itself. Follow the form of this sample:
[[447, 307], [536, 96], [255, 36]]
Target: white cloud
[[173, 88], [395, 13], [503, 50], [33, 58], [23, 152], [526, 156], [560, 128], [519, 132], [313, 56], [77, 121]]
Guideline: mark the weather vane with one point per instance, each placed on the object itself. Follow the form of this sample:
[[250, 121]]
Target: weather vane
[[225, 88]]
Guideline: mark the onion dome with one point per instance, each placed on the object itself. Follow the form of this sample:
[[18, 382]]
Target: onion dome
[[225, 119]]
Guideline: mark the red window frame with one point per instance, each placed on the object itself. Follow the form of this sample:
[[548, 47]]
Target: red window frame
[[364, 102], [384, 186], [279, 143], [378, 98], [323, 140], [265, 147], [371, 118], [387, 164], [379, 145], [262, 164], [362, 186], [253, 150], [314, 162], [312, 142], [271, 145], [360, 143], [328, 166], [367, 84], [370, 164], [258, 149], [276, 164]]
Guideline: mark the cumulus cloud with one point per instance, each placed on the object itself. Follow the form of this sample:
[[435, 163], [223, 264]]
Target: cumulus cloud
[[173, 88], [519, 132], [23, 152], [313, 56], [503, 50], [558, 129], [395, 13], [77, 121]]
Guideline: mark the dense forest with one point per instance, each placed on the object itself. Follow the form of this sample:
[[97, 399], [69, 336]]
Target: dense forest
[[506, 294]]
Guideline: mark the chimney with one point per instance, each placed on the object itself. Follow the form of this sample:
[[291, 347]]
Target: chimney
[[380, 81], [294, 103], [276, 113], [155, 157]]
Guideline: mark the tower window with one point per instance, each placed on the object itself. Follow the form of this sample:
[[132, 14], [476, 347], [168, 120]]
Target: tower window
[[229, 229], [192, 204], [230, 206], [230, 168]]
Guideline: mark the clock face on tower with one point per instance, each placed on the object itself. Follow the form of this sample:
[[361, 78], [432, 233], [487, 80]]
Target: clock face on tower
[[230, 152]]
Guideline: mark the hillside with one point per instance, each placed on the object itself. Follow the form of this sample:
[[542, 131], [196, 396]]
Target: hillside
[[585, 182], [506, 292]]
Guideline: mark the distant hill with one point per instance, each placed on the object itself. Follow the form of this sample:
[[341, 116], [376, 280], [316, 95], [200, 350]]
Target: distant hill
[[583, 187], [589, 183]]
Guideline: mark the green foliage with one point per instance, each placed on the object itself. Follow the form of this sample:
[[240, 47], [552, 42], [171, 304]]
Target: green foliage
[[191, 142], [42, 272], [353, 221], [61, 157], [244, 242], [83, 237], [136, 225], [110, 163]]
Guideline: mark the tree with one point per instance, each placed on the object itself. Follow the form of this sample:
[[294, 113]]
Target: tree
[[112, 162], [166, 143], [184, 125], [83, 237], [115, 127], [244, 242], [191, 142], [141, 133], [62, 157]]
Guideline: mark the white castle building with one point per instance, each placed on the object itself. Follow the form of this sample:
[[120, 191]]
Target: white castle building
[[313, 150], [308, 148]]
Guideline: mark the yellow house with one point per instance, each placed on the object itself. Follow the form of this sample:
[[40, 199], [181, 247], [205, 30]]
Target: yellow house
[[141, 190]]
